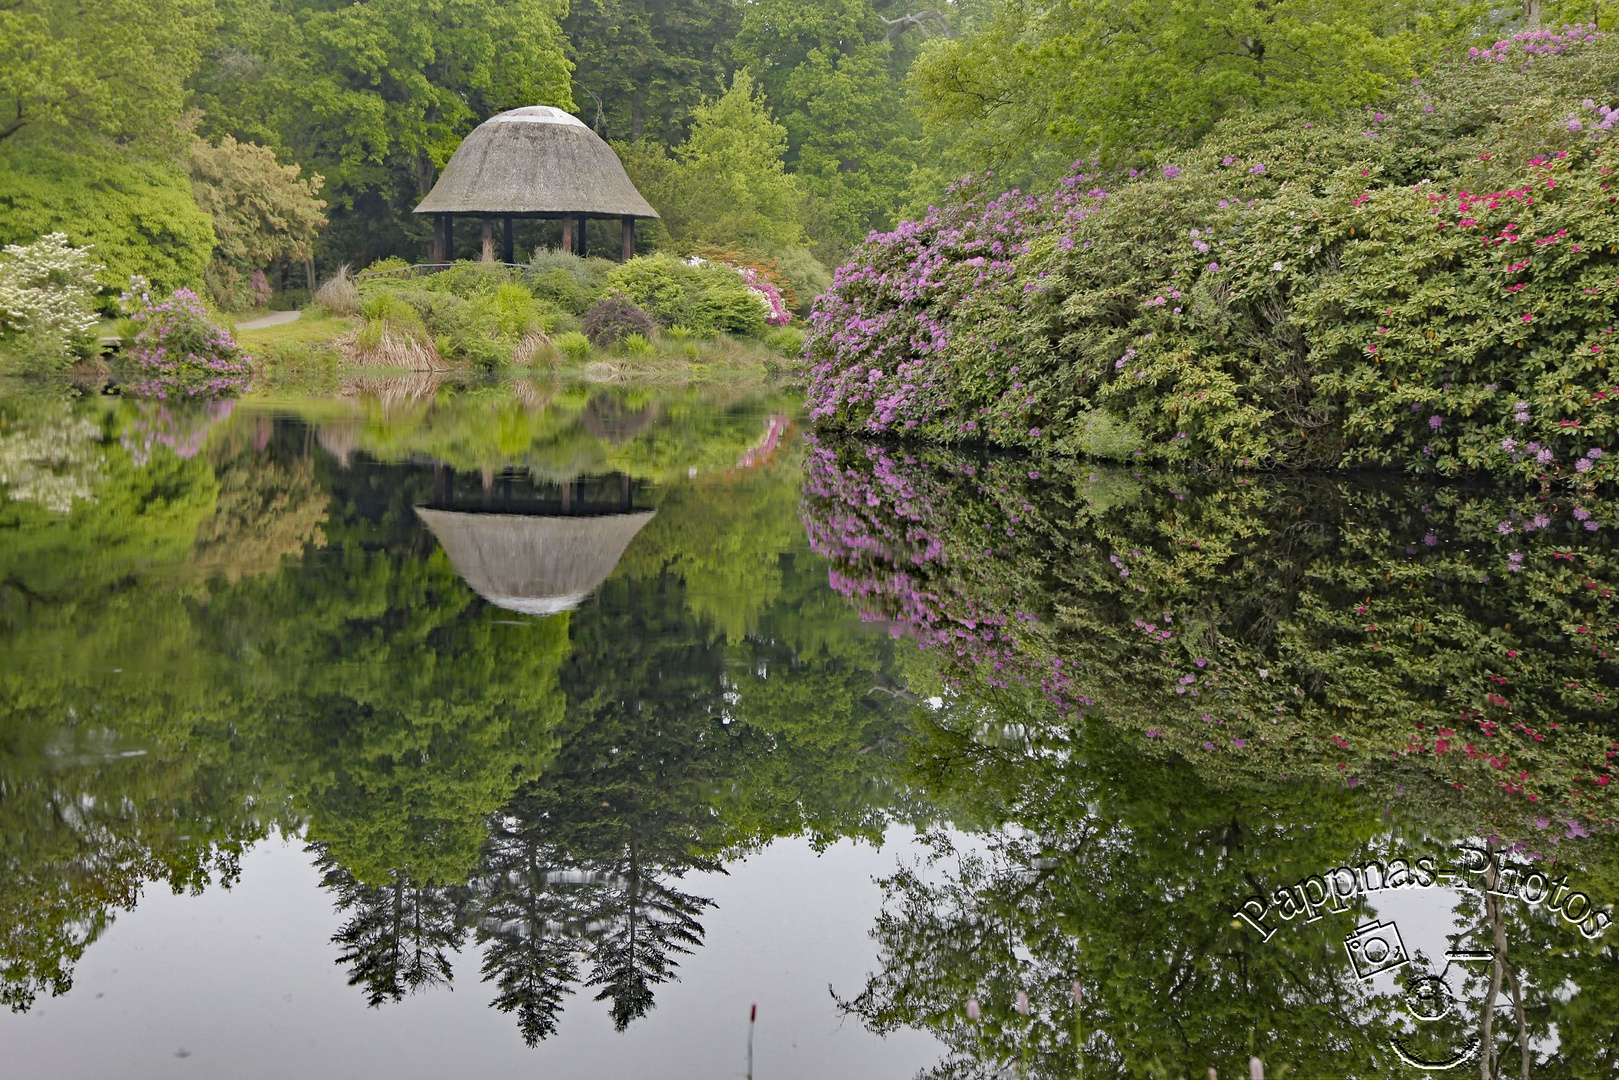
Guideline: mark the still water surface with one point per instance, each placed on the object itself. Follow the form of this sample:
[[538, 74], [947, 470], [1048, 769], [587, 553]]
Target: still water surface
[[431, 729]]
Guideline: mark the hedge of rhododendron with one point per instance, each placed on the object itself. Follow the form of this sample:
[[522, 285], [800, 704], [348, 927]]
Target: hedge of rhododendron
[[178, 351], [1427, 285], [1395, 636]]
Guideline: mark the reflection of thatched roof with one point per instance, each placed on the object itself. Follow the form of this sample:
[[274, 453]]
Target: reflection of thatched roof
[[534, 160], [534, 565]]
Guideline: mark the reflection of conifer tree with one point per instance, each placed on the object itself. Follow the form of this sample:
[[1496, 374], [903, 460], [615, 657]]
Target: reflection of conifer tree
[[579, 863], [530, 915], [399, 936], [645, 921]]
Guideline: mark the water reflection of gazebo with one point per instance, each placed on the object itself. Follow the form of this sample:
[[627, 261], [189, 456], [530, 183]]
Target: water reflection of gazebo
[[537, 549]]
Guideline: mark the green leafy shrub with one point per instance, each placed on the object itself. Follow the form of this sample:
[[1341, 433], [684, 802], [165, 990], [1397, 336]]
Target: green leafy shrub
[[47, 293], [566, 281], [574, 345], [679, 331], [1390, 289], [708, 298], [787, 339], [613, 317], [469, 279], [392, 262], [139, 217], [636, 344]]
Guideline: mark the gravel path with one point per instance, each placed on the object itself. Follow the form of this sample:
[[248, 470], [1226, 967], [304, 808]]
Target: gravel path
[[280, 318]]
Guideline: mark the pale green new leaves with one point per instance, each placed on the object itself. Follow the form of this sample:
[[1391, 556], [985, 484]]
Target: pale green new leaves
[[726, 184], [91, 68]]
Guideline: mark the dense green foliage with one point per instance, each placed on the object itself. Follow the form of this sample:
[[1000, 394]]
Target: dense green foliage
[[705, 299], [1427, 287], [262, 211], [137, 217]]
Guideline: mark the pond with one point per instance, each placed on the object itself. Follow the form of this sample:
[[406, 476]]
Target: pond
[[432, 728]]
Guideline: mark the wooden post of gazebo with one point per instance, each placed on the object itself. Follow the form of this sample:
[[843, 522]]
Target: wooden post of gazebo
[[533, 162], [441, 223]]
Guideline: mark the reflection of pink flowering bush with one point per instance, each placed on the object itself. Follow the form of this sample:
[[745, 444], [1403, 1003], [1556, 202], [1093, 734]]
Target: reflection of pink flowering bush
[[182, 427], [178, 352], [1254, 627]]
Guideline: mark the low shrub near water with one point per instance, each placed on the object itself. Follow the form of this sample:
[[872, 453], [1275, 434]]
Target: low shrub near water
[[178, 352], [707, 298], [615, 317], [1426, 286]]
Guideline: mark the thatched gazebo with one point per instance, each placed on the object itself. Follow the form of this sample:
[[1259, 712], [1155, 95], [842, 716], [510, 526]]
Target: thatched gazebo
[[533, 162], [536, 565]]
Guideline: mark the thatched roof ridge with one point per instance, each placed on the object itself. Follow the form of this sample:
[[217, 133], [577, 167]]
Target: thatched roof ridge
[[533, 565], [534, 160]]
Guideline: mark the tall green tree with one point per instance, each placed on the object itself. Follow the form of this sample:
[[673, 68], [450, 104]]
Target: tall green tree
[[1079, 78], [641, 68], [377, 96], [834, 72], [72, 69]]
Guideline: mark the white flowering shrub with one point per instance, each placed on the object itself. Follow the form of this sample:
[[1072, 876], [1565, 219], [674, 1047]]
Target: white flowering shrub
[[47, 295]]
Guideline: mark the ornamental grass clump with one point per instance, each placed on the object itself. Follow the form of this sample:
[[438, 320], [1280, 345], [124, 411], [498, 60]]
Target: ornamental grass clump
[[1427, 286], [178, 352]]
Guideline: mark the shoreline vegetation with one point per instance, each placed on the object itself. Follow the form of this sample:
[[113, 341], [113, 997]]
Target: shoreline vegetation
[[559, 315], [1425, 286]]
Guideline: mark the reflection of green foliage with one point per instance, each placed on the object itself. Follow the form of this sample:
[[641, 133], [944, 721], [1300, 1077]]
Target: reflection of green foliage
[[1120, 873], [414, 708], [1301, 627]]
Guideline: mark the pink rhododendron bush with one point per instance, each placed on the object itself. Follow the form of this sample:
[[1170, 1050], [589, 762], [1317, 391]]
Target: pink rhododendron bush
[[178, 352], [1427, 286], [1256, 627]]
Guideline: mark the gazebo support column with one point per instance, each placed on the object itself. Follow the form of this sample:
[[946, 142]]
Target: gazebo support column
[[439, 246], [488, 240], [449, 238], [579, 245], [567, 233], [628, 251], [507, 250]]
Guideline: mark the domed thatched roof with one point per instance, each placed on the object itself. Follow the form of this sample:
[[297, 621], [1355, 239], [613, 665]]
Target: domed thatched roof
[[534, 160], [533, 565]]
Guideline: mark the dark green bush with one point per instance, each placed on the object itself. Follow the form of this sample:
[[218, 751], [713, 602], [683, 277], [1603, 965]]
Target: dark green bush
[[566, 281], [613, 318]]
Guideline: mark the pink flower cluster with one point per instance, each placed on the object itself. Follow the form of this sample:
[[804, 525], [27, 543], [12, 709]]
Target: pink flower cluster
[[178, 352], [876, 337], [766, 289], [1533, 43]]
